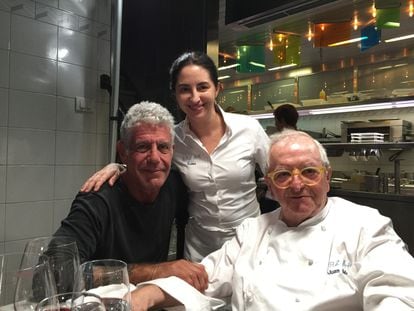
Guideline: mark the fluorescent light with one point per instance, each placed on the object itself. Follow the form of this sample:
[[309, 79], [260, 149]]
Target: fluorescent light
[[262, 116], [238, 91], [400, 38], [348, 41], [223, 77], [300, 72], [366, 107], [257, 64], [227, 67], [282, 67], [392, 24]]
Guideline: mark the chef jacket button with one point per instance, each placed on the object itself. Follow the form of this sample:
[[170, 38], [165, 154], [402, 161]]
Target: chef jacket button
[[269, 231], [297, 300], [323, 228], [310, 262]]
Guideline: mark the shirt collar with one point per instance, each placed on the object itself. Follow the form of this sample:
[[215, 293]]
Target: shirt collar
[[186, 124], [319, 217]]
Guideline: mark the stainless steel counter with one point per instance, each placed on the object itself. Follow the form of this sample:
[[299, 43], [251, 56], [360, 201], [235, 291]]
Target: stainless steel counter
[[400, 208]]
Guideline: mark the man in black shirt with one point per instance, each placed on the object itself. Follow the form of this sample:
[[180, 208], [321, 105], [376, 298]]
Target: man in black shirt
[[132, 219]]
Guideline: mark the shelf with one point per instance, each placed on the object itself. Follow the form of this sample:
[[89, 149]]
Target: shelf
[[359, 146]]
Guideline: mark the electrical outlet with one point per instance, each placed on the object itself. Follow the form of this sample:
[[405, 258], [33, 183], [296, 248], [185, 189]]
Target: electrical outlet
[[82, 104]]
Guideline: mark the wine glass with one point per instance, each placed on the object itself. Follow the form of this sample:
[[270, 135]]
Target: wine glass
[[63, 256], [109, 279], [79, 301], [22, 284]]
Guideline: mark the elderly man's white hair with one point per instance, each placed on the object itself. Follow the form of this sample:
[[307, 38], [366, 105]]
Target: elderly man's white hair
[[292, 134], [146, 112]]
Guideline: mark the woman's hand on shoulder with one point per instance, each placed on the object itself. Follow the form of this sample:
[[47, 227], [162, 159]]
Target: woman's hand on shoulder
[[110, 173]]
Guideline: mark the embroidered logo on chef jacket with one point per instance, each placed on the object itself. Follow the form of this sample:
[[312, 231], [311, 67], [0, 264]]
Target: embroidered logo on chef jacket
[[339, 266], [190, 159]]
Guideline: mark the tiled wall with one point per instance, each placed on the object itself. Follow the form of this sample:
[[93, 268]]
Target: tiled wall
[[51, 51]]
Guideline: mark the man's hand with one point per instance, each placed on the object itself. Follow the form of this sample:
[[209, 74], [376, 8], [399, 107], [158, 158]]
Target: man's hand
[[149, 296], [193, 273], [110, 172]]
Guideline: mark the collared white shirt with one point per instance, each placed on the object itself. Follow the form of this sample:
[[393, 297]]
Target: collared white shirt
[[348, 257], [222, 185]]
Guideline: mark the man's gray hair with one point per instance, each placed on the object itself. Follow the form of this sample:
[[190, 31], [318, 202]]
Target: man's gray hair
[[146, 112], [292, 134]]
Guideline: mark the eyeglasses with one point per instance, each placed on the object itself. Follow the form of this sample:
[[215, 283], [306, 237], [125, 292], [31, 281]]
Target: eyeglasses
[[310, 176]]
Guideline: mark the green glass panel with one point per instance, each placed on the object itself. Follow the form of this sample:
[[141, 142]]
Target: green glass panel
[[251, 58], [388, 18]]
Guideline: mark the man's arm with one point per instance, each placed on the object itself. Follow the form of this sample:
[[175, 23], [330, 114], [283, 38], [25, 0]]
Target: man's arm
[[151, 296], [193, 273]]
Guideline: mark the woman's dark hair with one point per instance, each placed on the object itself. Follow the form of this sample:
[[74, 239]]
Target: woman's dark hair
[[192, 58]]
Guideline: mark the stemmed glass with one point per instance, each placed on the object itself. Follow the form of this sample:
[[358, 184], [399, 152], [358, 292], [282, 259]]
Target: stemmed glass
[[63, 257], [23, 284], [79, 301], [109, 279]]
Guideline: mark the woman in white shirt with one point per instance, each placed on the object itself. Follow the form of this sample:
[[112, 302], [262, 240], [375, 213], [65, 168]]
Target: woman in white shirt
[[216, 153]]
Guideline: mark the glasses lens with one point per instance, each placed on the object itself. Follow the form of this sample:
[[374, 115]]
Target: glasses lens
[[308, 175], [282, 178]]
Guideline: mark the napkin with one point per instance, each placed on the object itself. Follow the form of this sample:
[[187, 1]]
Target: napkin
[[191, 298], [112, 291]]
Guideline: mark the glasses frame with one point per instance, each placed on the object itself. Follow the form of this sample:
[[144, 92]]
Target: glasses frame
[[296, 171]]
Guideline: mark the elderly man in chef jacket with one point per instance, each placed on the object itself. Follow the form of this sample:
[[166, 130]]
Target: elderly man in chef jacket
[[312, 253]]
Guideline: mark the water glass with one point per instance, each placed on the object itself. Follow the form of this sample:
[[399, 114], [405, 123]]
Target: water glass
[[63, 256], [23, 284], [79, 301], [109, 279]]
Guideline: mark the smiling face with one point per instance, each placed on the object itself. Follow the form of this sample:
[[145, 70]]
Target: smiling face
[[148, 158], [195, 92], [299, 201]]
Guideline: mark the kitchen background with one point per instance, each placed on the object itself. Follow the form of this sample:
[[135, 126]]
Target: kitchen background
[[51, 52]]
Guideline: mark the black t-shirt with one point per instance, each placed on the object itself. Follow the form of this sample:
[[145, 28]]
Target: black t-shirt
[[110, 223]]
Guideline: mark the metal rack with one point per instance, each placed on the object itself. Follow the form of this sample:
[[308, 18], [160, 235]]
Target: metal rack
[[399, 147]]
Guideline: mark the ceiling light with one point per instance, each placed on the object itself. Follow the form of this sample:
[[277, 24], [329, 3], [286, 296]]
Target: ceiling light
[[227, 67], [400, 38], [257, 64], [238, 91], [282, 67], [356, 23], [347, 41], [366, 107], [223, 77]]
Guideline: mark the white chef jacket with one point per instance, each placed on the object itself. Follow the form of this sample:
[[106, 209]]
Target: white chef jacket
[[348, 257], [222, 185]]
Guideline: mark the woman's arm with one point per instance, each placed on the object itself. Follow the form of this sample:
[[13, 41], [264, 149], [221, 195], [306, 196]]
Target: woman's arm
[[110, 172]]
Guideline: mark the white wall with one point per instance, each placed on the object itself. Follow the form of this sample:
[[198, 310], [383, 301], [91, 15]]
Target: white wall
[[50, 52]]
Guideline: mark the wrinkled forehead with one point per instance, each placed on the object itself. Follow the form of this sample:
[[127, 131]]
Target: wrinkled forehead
[[150, 131], [296, 148]]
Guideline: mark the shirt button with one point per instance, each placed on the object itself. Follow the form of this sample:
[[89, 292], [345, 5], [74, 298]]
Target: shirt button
[[297, 300], [323, 228], [269, 231], [310, 262]]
